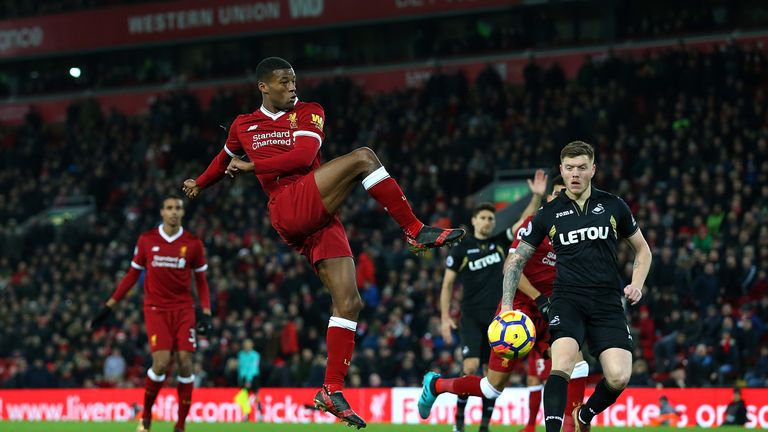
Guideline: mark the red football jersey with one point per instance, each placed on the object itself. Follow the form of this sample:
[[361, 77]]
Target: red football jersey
[[169, 262], [540, 269], [262, 134]]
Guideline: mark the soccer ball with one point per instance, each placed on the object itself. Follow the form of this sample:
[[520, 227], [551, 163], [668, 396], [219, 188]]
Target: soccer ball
[[512, 334]]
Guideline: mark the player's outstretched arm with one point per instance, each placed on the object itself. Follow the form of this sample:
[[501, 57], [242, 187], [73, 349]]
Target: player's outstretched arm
[[538, 187], [125, 285], [214, 173], [513, 270], [634, 291]]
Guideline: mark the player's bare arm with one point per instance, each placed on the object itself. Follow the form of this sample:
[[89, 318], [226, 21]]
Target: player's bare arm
[[237, 166], [634, 291], [128, 281], [513, 271], [538, 187], [446, 293]]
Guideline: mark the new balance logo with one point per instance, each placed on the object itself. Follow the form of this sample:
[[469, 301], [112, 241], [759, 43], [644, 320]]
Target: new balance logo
[[252, 127], [155, 248]]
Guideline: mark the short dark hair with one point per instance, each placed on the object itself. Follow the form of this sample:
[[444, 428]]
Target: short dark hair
[[268, 66], [483, 206], [577, 148], [170, 196], [557, 181]]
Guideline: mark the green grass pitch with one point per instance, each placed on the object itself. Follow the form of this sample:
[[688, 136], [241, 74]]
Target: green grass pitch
[[270, 427]]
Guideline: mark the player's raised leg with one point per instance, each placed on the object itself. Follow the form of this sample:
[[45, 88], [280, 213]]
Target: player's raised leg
[[489, 387], [337, 178], [185, 384], [152, 385], [338, 274]]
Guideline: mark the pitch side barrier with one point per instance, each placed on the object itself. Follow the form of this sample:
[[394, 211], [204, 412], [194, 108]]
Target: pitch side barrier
[[636, 407]]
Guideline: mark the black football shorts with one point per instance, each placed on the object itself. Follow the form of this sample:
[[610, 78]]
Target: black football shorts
[[598, 319]]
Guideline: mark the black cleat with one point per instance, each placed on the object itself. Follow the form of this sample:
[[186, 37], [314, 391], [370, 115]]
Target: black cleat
[[335, 404], [431, 237]]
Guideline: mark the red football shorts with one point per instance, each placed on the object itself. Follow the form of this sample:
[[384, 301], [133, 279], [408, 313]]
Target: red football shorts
[[170, 330], [299, 216], [539, 364]]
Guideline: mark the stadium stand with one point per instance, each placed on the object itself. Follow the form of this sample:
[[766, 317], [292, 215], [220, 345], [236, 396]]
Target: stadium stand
[[443, 37]]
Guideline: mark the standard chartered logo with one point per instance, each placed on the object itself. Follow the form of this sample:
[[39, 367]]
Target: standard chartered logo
[[271, 138], [591, 233], [168, 262]]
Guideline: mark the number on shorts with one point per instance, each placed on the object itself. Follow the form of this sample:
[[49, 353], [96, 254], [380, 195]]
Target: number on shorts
[[192, 338]]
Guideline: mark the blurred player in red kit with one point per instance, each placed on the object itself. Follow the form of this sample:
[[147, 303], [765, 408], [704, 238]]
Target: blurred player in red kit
[[535, 288], [282, 141], [168, 254]]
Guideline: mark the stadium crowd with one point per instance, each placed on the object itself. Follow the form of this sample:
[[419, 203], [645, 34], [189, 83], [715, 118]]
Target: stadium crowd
[[482, 32], [681, 136]]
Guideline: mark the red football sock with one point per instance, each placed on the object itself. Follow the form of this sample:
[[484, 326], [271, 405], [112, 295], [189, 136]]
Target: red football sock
[[184, 390], [340, 340], [466, 385], [534, 401], [152, 385], [576, 387], [387, 192]]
